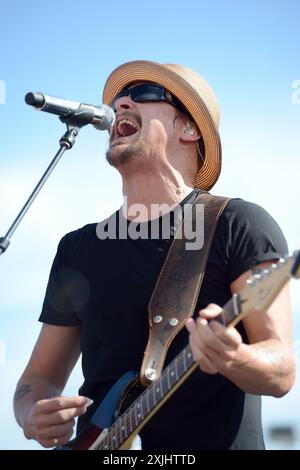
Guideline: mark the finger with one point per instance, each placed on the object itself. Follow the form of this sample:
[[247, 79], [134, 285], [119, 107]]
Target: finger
[[60, 416], [58, 403], [44, 421], [191, 325], [64, 439], [208, 341], [211, 311], [229, 335], [56, 430], [205, 364], [48, 443]]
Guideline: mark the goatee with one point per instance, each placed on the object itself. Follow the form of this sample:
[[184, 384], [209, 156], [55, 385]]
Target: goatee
[[122, 154]]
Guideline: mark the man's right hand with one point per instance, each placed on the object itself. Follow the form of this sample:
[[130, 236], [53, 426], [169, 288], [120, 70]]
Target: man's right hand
[[51, 421]]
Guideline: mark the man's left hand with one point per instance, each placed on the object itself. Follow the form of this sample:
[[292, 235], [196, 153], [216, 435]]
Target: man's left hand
[[214, 346]]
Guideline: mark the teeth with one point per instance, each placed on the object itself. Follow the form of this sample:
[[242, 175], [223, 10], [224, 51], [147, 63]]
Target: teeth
[[121, 131]]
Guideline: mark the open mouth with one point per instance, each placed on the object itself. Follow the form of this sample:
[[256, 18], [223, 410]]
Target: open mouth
[[125, 128]]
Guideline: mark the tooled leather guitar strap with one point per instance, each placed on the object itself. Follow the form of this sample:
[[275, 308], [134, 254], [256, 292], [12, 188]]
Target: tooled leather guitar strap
[[177, 288]]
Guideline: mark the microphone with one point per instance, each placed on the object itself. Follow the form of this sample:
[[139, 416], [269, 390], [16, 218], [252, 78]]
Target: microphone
[[102, 117]]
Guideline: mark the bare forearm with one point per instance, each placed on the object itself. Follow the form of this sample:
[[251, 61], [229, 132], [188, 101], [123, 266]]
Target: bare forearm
[[264, 368], [29, 390]]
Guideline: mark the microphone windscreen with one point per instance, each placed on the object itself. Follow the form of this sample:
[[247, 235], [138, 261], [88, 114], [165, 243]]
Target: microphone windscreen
[[35, 99]]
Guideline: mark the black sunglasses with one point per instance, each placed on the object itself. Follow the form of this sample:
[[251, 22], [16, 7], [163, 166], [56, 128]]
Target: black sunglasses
[[149, 92]]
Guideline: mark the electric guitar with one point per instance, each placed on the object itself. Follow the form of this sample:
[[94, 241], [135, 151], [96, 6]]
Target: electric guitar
[[108, 431]]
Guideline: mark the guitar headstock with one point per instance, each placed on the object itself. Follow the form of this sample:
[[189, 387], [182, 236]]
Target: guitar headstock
[[264, 286]]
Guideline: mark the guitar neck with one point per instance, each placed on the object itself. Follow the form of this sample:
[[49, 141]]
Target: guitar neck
[[154, 396], [148, 403], [260, 291]]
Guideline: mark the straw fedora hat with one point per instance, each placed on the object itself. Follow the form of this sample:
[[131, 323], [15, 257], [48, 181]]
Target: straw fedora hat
[[193, 92]]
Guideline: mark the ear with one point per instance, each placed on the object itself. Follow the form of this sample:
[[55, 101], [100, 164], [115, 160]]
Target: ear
[[189, 132]]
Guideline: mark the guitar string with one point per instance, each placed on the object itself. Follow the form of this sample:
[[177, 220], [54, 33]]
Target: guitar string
[[228, 315], [128, 420], [176, 368]]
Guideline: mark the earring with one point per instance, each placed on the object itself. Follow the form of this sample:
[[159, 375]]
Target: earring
[[190, 130]]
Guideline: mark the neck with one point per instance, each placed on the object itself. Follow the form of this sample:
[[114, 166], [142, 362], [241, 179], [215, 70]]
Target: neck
[[152, 189]]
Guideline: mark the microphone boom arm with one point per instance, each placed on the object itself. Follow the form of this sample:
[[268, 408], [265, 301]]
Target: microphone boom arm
[[74, 123]]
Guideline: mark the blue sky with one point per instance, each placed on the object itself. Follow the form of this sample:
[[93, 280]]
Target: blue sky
[[249, 53]]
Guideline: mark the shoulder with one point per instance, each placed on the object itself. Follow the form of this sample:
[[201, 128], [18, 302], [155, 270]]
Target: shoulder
[[248, 235], [249, 218], [80, 234], [75, 239], [240, 209], [83, 238]]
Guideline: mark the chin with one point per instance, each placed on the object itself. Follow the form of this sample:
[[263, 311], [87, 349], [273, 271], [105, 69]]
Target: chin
[[120, 154]]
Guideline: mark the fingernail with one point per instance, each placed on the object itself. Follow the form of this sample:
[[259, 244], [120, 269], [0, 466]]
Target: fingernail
[[88, 401]]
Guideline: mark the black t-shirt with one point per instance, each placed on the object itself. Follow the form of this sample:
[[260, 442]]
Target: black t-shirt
[[105, 286]]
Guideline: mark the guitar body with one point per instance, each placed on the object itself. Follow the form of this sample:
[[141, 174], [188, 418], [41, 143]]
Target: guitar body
[[104, 417], [111, 429]]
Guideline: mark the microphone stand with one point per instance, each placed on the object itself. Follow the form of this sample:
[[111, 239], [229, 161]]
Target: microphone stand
[[74, 123]]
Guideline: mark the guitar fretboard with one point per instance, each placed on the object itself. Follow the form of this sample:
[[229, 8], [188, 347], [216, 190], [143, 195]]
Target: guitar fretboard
[[260, 291], [153, 396]]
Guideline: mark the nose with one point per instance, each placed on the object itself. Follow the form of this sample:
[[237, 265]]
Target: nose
[[125, 102]]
